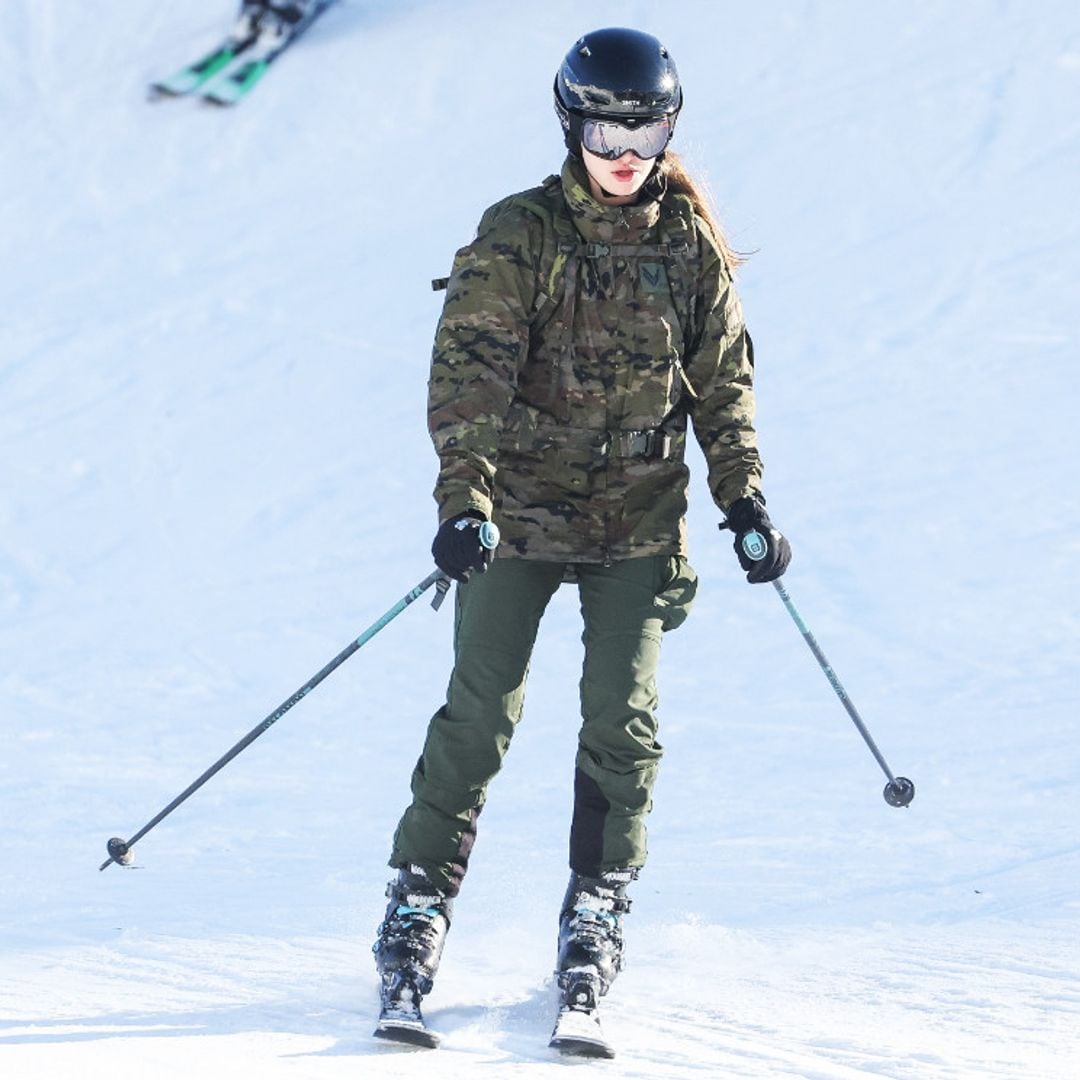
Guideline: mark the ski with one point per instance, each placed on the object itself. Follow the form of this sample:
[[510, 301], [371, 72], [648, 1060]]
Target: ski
[[577, 1029], [234, 82], [190, 77], [400, 1019]]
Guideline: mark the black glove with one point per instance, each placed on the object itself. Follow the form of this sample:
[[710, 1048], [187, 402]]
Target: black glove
[[748, 515], [457, 548]]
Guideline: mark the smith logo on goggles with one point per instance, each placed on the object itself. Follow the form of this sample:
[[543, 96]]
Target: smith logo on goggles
[[609, 139]]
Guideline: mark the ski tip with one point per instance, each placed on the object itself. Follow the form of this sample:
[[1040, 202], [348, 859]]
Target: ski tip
[[578, 1034], [573, 1047], [413, 1035], [160, 92]]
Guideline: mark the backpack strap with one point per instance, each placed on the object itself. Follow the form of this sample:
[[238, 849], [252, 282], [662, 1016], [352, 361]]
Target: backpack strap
[[550, 206], [677, 230], [556, 301], [558, 295], [684, 268]]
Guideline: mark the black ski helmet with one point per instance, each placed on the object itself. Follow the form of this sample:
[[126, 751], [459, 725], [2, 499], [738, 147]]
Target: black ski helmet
[[619, 74]]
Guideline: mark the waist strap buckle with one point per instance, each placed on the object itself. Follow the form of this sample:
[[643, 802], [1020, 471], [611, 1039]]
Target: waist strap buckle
[[653, 444]]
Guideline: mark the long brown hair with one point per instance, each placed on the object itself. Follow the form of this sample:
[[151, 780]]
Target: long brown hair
[[680, 182]]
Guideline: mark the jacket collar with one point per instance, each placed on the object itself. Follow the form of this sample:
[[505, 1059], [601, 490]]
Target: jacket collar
[[608, 224]]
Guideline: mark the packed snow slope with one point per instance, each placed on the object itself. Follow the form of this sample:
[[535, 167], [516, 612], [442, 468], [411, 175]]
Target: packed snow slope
[[214, 335]]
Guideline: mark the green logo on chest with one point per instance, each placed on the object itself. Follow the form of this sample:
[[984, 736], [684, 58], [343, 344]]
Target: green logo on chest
[[653, 277]]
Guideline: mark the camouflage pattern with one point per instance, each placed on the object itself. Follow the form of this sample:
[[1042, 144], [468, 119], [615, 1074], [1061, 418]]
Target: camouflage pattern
[[575, 341]]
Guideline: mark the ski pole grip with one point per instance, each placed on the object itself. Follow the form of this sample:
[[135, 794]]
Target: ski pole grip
[[489, 535], [755, 546]]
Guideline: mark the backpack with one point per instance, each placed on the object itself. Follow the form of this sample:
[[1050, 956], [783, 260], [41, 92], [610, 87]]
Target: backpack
[[675, 254]]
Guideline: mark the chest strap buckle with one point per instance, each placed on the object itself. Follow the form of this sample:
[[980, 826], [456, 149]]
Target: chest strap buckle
[[653, 444]]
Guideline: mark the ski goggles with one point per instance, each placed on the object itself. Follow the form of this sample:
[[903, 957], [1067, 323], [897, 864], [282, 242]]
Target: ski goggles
[[610, 139]]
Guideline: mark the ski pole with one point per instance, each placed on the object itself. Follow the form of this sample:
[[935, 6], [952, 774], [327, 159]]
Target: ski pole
[[899, 791], [120, 850]]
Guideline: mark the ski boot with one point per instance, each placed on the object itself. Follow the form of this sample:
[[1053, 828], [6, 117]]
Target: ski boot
[[407, 949], [288, 13], [590, 956], [249, 18]]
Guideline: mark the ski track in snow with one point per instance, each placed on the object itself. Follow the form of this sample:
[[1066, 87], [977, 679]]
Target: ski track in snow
[[805, 1004], [214, 472]]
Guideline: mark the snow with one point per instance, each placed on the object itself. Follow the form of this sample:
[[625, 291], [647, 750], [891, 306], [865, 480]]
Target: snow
[[213, 345]]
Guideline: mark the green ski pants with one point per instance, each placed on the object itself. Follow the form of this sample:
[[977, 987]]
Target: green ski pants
[[626, 607]]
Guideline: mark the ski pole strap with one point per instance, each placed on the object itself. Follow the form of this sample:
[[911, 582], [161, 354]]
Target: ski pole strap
[[442, 587]]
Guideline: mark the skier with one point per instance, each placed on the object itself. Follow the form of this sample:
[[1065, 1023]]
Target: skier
[[262, 32], [590, 320]]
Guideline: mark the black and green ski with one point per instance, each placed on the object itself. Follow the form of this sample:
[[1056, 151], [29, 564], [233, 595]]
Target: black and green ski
[[263, 31]]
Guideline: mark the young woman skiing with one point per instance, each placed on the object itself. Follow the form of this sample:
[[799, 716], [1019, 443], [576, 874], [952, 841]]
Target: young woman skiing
[[590, 322]]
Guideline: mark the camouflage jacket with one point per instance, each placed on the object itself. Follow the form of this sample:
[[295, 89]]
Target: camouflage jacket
[[575, 342]]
